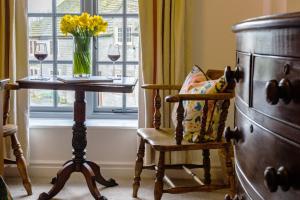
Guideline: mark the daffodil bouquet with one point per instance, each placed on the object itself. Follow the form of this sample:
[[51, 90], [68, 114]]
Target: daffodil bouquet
[[83, 28]]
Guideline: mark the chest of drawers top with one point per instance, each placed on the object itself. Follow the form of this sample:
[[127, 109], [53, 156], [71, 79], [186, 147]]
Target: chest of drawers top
[[270, 35]]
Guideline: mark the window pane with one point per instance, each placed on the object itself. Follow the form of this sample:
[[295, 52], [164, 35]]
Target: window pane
[[112, 100], [132, 39], [40, 30], [65, 49], [35, 69], [41, 98], [65, 98], [38, 6], [114, 35], [68, 6], [132, 6], [64, 69], [109, 99], [110, 6], [109, 70], [132, 98], [40, 27]]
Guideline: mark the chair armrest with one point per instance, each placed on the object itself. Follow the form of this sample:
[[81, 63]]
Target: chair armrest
[[12, 86], [184, 97], [161, 87]]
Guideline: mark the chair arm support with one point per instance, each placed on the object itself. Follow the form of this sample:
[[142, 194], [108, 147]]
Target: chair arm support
[[161, 87], [184, 97], [12, 86], [3, 83]]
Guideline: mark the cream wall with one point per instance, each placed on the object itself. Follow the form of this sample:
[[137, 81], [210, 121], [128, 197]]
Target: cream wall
[[209, 22], [211, 43], [293, 5]]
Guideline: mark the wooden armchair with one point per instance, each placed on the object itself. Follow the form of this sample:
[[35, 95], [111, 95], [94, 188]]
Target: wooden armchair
[[167, 140], [10, 130]]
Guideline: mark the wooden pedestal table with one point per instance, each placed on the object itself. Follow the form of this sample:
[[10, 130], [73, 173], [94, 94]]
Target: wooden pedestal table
[[78, 163]]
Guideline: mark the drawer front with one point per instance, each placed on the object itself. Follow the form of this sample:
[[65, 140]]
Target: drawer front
[[258, 149], [276, 69], [242, 87], [244, 189]]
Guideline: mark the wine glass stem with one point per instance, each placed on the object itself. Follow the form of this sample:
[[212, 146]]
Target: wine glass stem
[[114, 69], [41, 72]]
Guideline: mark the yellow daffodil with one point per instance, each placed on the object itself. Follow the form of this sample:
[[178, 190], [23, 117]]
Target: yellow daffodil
[[83, 25]]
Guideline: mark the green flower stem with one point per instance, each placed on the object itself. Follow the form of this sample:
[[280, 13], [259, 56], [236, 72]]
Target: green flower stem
[[82, 56]]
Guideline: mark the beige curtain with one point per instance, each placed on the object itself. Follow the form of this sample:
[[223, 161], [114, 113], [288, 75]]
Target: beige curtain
[[163, 59], [14, 61]]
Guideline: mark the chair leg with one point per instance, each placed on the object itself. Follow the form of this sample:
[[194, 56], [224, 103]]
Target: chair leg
[[138, 168], [230, 169], [160, 173], [21, 163], [206, 166]]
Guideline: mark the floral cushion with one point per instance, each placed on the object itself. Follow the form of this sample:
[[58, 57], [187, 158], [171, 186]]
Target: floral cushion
[[198, 83], [193, 79], [193, 111], [4, 193]]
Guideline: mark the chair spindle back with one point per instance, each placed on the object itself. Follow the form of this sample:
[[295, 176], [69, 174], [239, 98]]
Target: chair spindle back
[[157, 106]]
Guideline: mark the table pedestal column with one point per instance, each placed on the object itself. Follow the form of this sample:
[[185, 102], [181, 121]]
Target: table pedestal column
[[90, 170]]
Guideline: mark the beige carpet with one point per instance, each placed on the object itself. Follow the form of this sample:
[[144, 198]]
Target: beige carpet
[[75, 190]]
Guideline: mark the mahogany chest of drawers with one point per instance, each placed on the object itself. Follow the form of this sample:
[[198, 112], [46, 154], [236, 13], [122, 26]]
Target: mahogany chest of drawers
[[267, 108]]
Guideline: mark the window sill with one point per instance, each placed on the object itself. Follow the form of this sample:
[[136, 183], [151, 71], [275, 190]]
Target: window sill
[[95, 123]]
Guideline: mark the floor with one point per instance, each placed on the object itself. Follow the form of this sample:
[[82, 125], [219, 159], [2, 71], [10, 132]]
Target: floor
[[75, 190]]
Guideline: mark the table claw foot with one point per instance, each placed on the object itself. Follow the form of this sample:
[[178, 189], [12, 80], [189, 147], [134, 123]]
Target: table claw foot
[[44, 196], [90, 180], [62, 176], [99, 178], [110, 182]]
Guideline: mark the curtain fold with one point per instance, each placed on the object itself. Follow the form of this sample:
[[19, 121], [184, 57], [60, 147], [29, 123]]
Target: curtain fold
[[163, 60], [14, 61]]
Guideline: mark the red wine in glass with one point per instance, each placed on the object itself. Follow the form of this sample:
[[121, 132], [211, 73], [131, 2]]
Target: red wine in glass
[[40, 56], [113, 54], [40, 53], [113, 58]]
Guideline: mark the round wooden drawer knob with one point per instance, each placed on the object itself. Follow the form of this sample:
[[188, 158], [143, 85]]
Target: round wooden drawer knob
[[275, 91], [232, 135], [274, 178], [231, 76]]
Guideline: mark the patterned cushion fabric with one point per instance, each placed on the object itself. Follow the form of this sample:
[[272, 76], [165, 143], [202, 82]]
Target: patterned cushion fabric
[[4, 193], [193, 111], [194, 78]]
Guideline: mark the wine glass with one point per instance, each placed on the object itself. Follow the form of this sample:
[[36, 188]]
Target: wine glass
[[40, 53], [114, 55]]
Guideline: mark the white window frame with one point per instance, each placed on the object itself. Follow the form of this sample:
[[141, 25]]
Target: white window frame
[[92, 110]]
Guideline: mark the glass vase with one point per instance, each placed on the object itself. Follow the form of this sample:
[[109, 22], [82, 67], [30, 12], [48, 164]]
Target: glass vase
[[82, 56]]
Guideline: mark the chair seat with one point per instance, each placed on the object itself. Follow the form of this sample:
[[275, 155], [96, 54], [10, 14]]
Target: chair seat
[[164, 140], [9, 130]]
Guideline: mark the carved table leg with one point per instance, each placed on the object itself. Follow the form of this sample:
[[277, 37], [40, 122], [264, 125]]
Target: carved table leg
[[62, 177], [99, 178], [90, 170], [90, 179]]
